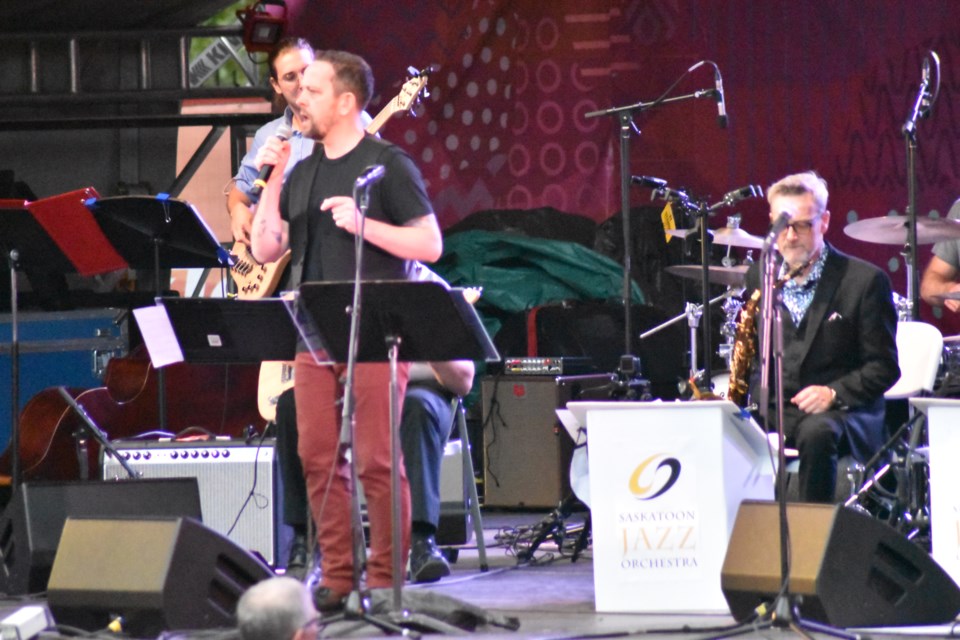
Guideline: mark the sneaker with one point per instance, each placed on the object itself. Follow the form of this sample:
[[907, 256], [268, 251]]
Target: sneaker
[[427, 564], [327, 601]]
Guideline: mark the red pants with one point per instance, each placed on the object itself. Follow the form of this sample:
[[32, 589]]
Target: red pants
[[318, 391]]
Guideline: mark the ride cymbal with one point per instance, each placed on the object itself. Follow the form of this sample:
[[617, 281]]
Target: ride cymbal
[[893, 230]]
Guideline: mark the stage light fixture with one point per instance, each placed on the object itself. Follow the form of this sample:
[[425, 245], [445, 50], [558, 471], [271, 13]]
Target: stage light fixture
[[262, 29]]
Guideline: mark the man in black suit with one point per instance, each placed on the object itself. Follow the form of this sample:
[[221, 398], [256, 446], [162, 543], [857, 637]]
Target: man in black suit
[[839, 339]]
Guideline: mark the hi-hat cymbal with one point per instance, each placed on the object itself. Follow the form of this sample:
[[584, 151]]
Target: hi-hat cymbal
[[893, 230], [736, 237], [729, 276]]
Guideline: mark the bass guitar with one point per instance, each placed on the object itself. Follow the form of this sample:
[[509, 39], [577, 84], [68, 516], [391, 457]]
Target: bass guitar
[[257, 280]]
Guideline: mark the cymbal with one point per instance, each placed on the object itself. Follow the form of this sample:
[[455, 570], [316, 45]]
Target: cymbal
[[729, 276], [736, 237], [893, 230]]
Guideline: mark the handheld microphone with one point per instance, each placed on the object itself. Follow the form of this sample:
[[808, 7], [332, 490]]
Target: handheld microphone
[[283, 132], [373, 173], [721, 100]]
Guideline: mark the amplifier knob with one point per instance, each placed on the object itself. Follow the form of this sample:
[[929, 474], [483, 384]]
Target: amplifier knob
[[226, 453], [136, 455], [215, 454], [146, 455], [173, 455], [205, 454], [194, 454]]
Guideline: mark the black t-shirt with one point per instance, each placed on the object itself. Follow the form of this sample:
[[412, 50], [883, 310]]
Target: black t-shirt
[[396, 199]]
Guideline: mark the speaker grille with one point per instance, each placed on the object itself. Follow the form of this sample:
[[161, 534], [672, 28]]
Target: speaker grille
[[239, 485]]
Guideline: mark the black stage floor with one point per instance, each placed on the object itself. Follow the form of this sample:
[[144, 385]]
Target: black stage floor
[[551, 597]]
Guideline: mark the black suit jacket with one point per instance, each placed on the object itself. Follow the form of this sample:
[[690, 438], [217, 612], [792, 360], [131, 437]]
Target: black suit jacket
[[847, 342]]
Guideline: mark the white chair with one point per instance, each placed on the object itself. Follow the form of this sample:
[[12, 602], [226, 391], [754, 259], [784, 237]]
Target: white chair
[[919, 347]]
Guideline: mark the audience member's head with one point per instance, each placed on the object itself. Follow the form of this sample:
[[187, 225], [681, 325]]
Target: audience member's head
[[277, 609]]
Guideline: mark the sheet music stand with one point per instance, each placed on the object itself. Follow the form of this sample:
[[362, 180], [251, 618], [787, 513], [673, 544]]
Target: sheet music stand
[[56, 234], [158, 232], [400, 321], [227, 331]]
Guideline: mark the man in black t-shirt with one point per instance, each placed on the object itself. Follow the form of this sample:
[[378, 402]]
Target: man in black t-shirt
[[316, 216]]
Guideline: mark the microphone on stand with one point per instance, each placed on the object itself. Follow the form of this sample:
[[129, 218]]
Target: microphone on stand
[[283, 132], [721, 101], [649, 182], [372, 174], [921, 105], [776, 228], [731, 197], [749, 191]]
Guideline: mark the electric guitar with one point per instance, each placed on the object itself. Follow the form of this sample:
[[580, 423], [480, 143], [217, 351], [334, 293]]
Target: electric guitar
[[256, 280], [276, 376]]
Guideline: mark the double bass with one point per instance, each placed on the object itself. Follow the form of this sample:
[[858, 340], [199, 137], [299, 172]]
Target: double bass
[[220, 400]]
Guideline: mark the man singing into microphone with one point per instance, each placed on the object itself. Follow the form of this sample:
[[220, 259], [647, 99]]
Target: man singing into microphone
[[315, 215], [839, 339]]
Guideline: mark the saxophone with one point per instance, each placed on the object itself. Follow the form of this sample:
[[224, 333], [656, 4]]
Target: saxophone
[[744, 351]]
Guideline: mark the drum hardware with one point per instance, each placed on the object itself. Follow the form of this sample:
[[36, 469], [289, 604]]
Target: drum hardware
[[692, 312], [904, 307], [898, 492]]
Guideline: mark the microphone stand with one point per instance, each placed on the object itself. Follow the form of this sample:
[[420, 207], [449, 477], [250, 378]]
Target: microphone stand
[[921, 109], [624, 116], [784, 611], [358, 604]]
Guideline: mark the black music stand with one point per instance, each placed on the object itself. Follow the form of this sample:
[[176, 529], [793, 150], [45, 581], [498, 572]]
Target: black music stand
[[401, 321], [158, 232], [56, 234], [228, 331]]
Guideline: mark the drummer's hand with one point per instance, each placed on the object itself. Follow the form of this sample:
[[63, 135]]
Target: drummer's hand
[[814, 399]]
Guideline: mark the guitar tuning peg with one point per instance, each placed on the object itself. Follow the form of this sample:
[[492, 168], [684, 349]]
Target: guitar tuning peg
[[413, 72]]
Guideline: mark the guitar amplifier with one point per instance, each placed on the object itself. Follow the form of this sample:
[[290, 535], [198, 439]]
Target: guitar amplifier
[[240, 487]]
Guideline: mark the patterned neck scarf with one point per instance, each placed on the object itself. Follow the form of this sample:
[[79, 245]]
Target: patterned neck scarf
[[797, 296]]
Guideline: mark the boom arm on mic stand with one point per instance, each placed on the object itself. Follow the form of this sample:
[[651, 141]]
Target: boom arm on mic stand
[[624, 116]]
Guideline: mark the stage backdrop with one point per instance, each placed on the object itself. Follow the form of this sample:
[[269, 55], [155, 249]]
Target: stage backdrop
[[818, 84]]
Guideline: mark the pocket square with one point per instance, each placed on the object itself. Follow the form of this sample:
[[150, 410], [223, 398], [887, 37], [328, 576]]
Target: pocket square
[[835, 316]]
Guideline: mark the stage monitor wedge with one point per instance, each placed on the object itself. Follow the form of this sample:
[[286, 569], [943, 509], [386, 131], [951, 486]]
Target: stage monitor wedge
[[32, 523], [159, 574], [850, 569]]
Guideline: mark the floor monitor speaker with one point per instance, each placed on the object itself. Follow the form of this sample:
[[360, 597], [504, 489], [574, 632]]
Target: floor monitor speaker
[[31, 525], [157, 574], [850, 569]]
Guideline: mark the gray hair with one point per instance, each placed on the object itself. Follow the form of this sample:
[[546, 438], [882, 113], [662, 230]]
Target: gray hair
[[800, 184], [274, 609]]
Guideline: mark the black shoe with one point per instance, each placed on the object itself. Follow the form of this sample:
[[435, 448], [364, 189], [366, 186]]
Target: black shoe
[[427, 564], [327, 601], [297, 560]]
